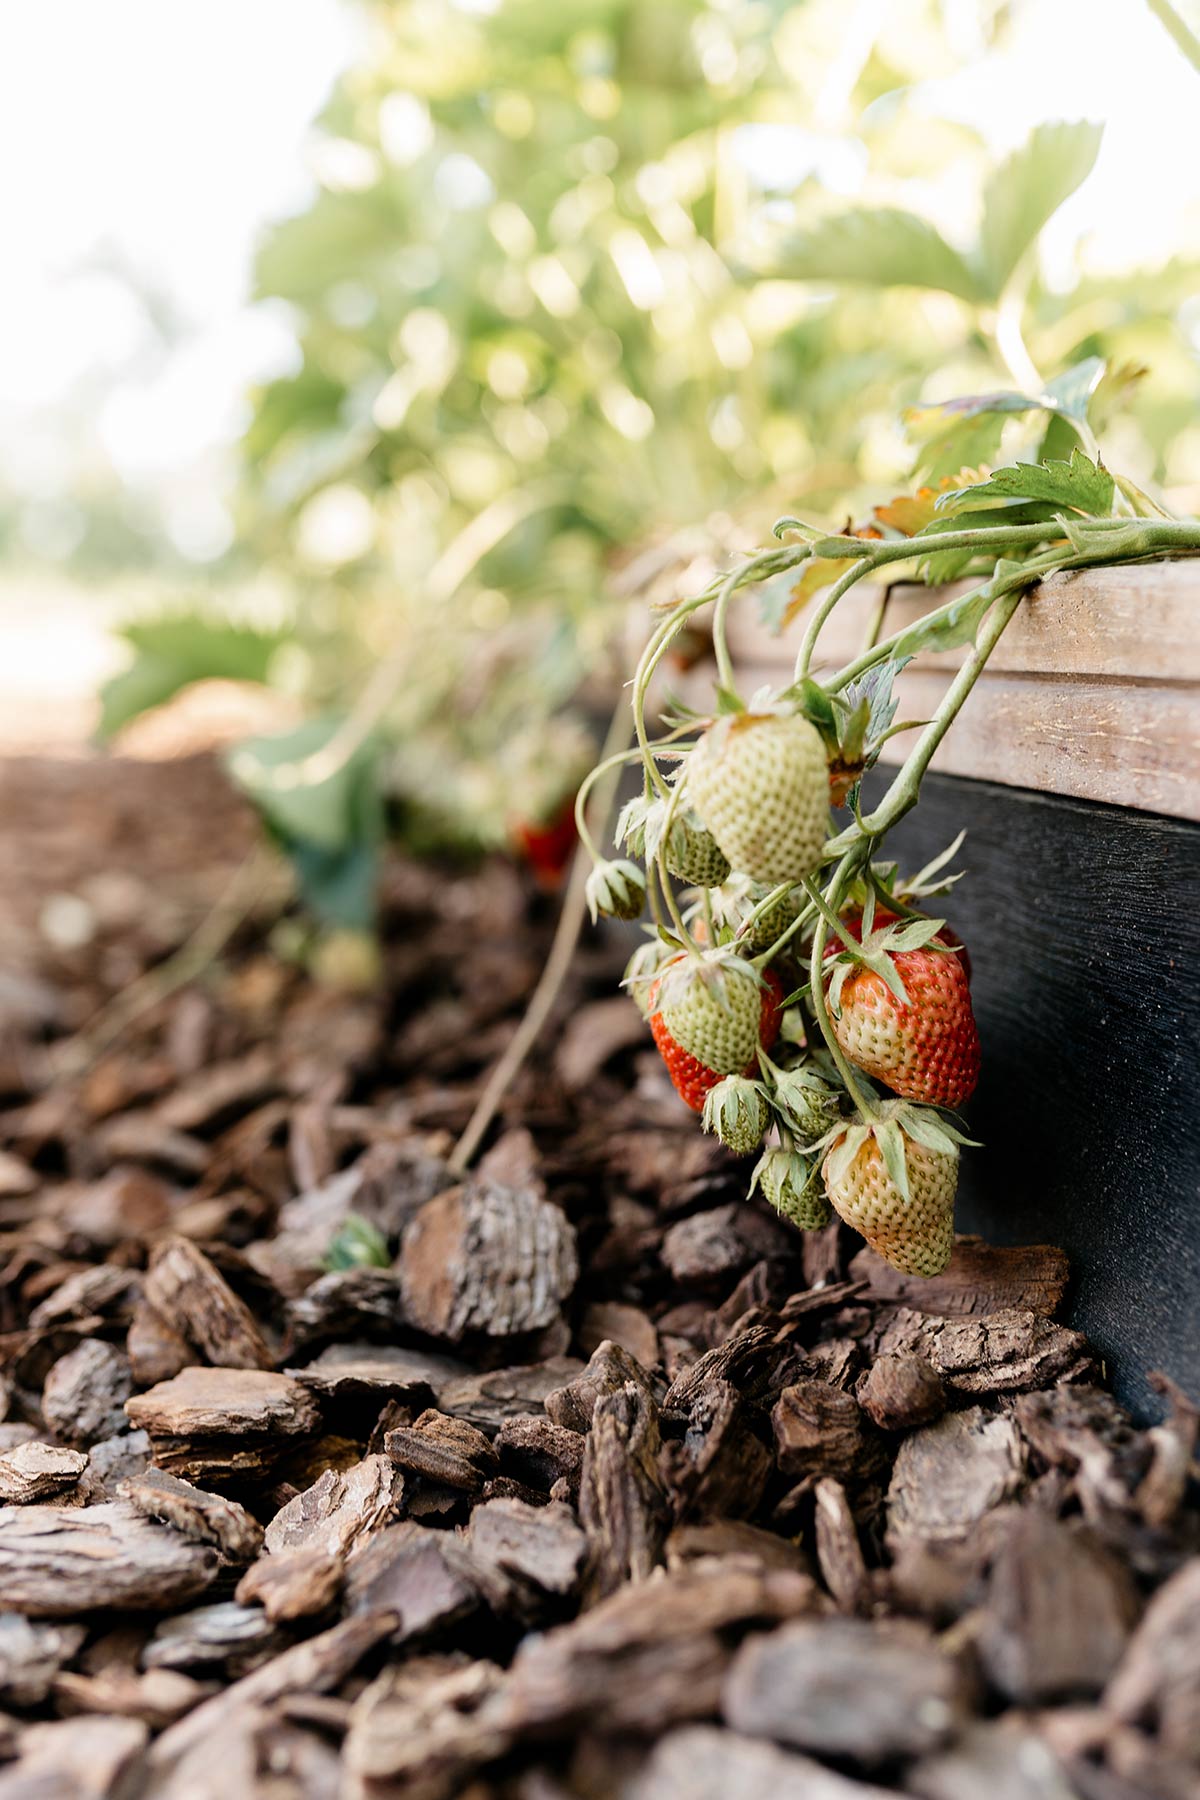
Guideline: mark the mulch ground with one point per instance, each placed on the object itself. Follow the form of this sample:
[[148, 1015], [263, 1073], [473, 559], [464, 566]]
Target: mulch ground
[[608, 1484]]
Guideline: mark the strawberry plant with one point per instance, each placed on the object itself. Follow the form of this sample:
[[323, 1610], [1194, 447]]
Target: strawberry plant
[[804, 996]]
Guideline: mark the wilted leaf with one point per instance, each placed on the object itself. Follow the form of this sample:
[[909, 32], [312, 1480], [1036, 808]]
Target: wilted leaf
[[885, 247], [911, 513], [1027, 189]]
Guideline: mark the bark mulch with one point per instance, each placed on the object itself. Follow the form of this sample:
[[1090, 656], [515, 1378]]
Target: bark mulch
[[607, 1484]]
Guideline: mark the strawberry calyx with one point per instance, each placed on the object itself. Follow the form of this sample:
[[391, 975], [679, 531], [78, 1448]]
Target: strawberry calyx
[[896, 1123], [737, 1110], [615, 889], [803, 1099], [791, 1183], [877, 948]]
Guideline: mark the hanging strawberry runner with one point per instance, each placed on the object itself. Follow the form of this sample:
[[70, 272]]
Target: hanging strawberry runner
[[798, 989]]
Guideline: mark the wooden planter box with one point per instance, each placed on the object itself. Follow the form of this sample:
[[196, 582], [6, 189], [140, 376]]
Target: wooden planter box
[[1075, 767]]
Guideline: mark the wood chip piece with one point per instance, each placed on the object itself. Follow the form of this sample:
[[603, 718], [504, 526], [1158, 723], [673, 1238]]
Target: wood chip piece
[[84, 1758], [997, 1353], [1157, 1685], [488, 1399], [540, 1454], [1002, 1761], [979, 1278], [36, 1471], [425, 1578], [623, 1506], [538, 1549], [204, 1517], [703, 1762], [949, 1476], [315, 1666], [486, 1259], [844, 1688], [84, 1396], [227, 1637], [1058, 1612], [608, 1370], [445, 1450], [819, 1430], [185, 1287], [339, 1511], [223, 1421], [300, 1585], [839, 1553], [651, 1655], [902, 1393], [423, 1727], [57, 1561], [31, 1656], [754, 1362]]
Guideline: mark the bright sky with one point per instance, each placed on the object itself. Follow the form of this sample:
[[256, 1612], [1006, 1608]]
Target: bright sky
[[162, 137]]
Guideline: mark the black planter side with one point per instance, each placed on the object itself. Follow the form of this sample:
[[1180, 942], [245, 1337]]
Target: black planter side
[[1084, 927]]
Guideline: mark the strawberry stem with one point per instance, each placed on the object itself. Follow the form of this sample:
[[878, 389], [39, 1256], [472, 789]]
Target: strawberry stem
[[841, 586], [826, 904]]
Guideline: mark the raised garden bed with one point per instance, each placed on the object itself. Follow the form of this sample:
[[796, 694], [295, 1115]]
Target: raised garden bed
[[1076, 772]]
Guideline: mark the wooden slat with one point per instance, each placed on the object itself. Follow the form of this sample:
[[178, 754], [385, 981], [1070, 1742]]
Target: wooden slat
[[1142, 622], [1093, 691]]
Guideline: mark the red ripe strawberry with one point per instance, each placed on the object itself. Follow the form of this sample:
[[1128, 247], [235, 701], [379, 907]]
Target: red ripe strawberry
[[548, 847], [923, 1047], [708, 1017]]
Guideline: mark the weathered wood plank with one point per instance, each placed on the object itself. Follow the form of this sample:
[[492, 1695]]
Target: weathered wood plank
[[1093, 691], [1139, 622]]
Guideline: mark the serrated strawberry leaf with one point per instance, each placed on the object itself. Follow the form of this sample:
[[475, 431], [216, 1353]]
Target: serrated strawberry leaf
[[953, 626], [1080, 486]]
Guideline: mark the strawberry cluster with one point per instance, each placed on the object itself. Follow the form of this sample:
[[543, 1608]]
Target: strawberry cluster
[[827, 1030]]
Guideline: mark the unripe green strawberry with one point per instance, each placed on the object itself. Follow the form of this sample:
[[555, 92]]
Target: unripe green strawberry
[[760, 784], [805, 1102], [736, 1109], [616, 889], [738, 900], [689, 852], [709, 1014], [897, 1191], [793, 1187]]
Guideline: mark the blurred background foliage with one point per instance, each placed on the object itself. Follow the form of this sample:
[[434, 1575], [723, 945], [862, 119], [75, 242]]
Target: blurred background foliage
[[585, 291]]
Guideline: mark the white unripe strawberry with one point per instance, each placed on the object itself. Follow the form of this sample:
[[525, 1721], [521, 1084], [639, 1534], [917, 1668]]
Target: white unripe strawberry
[[760, 784]]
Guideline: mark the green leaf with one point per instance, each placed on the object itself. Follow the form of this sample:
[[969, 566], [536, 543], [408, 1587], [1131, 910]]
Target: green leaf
[[358, 1245], [1079, 485], [884, 247], [307, 791], [954, 627], [1071, 392], [176, 650], [936, 419], [338, 886], [1027, 189]]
